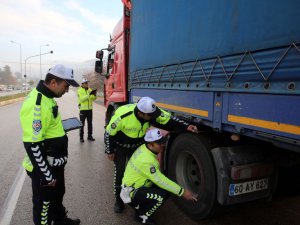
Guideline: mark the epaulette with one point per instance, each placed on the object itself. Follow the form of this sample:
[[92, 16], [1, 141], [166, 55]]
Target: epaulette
[[126, 114], [38, 99]]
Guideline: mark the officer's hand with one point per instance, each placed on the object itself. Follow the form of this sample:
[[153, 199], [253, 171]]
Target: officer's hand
[[192, 128], [111, 156], [188, 195], [164, 132], [51, 184]]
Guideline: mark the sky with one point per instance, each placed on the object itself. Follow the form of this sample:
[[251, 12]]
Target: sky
[[74, 30]]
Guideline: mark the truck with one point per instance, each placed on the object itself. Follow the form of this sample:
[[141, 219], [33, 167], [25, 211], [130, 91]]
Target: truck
[[232, 68]]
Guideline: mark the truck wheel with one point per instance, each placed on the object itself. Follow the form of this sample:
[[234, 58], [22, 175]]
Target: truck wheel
[[191, 165]]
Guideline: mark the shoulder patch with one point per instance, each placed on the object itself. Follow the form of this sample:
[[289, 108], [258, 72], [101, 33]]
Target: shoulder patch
[[152, 170], [37, 125], [113, 125]]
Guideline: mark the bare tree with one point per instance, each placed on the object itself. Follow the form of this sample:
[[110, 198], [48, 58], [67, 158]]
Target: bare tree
[[7, 77], [96, 81]]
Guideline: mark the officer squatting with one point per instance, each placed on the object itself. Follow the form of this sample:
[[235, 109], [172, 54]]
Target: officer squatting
[[125, 133], [144, 187]]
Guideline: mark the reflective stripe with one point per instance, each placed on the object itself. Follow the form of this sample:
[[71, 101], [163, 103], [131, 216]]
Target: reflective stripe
[[157, 205], [44, 213], [60, 161], [41, 162]]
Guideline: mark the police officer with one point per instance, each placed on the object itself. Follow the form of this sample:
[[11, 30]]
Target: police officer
[[126, 130], [86, 97], [46, 144], [143, 184]]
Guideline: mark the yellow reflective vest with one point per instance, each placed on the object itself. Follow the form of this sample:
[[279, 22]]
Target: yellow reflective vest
[[41, 122], [38, 121], [126, 130], [143, 170], [85, 99]]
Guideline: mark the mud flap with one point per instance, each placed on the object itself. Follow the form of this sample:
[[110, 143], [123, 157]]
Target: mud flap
[[244, 173]]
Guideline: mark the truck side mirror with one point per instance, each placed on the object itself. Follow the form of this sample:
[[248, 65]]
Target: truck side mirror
[[99, 54], [98, 66]]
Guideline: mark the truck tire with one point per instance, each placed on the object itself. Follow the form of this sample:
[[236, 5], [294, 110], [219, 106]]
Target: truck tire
[[190, 164]]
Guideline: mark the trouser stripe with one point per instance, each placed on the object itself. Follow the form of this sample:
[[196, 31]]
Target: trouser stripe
[[115, 180], [44, 213], [157, 205]]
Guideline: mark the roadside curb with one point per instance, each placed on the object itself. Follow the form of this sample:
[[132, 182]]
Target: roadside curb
[[6, 102]]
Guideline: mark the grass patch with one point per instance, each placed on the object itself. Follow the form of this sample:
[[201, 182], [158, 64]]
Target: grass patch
[[14, 96]]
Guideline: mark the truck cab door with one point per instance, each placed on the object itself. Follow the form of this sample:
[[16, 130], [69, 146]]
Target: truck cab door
[[110, 71]]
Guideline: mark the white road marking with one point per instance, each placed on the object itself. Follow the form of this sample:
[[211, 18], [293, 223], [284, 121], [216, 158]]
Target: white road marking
[[11, 200]]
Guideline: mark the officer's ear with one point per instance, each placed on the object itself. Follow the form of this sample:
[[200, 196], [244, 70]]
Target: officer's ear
[[140, 114], [53, 82], [150, 145]]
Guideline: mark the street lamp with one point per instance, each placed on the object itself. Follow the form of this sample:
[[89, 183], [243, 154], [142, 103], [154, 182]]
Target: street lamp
[[41, 59], [25, 75], [20, 55]]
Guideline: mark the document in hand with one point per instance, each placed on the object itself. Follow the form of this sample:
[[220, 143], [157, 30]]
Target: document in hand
[[71, 124], [93, 92]]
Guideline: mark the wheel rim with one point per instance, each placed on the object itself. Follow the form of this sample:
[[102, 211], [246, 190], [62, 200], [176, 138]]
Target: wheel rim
[[189, 172]]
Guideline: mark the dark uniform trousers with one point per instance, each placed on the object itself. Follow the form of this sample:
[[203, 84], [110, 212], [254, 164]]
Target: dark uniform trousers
[[148, 200], [122, 155], [48, 201], [86, 114]]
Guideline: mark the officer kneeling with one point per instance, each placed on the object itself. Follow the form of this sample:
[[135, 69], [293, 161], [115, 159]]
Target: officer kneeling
[[144, 187]]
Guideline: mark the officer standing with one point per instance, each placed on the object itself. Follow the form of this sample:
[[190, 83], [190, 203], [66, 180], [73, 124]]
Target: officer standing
[[143, 184], [86, 97], [126, 130], [46, 144]]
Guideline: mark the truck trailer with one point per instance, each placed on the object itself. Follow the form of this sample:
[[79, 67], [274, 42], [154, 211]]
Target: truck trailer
[[230, 67]]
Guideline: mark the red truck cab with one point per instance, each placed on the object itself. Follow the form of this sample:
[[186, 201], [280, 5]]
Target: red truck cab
[[115, 65]]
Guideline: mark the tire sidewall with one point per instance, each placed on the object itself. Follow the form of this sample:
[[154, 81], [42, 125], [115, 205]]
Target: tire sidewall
[[198, 147]]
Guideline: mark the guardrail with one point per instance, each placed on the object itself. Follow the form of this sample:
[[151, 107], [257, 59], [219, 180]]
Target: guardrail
[[7, 99]]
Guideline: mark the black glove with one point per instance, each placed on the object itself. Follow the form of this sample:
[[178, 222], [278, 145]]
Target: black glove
[[93, 92]]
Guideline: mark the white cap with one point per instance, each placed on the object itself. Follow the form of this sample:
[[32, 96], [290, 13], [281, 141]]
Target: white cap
[[64, 73], [84, 80], [154, 135], [147, 105]]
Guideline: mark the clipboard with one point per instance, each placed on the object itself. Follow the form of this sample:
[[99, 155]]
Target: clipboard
[[71, 124]]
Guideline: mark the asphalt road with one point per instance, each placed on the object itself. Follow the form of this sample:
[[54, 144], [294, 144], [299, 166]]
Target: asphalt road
[[89, 179]]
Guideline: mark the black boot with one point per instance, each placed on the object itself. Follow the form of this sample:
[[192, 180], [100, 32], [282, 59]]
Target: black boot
[[119, 206], [90, 138], [67, 221]]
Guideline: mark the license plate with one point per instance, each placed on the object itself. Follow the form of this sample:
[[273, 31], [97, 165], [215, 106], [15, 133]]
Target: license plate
[[247, 187]]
